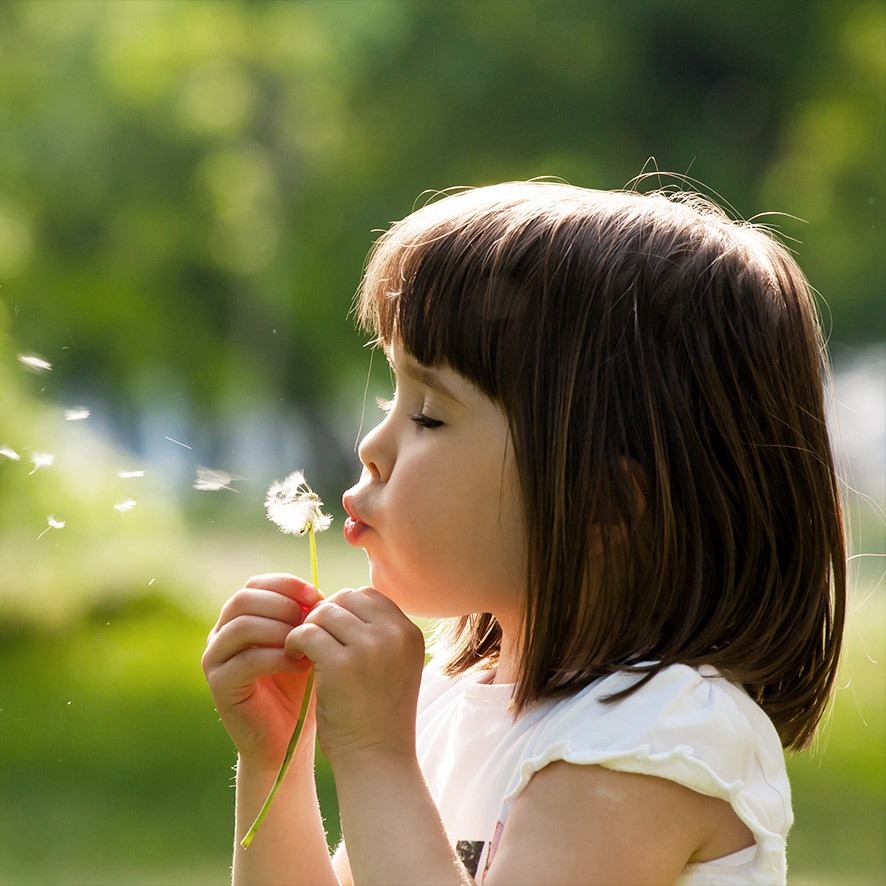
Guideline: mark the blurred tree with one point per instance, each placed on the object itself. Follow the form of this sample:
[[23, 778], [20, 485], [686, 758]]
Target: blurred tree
[[187, 190]]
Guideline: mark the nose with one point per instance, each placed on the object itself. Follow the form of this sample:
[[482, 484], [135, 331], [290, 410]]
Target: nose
[[376, 452]]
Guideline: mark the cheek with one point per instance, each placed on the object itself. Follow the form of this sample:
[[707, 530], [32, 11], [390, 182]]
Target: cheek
[[425, 501], [428, 548], [450, 531], [459, 544]]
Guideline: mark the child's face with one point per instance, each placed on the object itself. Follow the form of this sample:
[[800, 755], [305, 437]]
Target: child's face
[[438, 506]]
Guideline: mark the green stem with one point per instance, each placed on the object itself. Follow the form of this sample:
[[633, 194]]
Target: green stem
[[312, 542], [299, 724], [287, 759]]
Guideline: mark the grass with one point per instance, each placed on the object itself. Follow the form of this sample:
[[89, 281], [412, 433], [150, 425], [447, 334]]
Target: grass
[[115, 770]]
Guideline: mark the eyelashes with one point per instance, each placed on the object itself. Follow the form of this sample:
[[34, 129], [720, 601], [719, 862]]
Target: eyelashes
[[422, 420], [425, 421]]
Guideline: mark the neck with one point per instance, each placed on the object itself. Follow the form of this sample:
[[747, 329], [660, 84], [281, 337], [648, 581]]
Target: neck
[[509, 656]]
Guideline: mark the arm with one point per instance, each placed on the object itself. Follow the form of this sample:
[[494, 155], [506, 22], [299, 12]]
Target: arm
[[589, 825], [368, 658], [290, 847], [392, 828], [258, 689]]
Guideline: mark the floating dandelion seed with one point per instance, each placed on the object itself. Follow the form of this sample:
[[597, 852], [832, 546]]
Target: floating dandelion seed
[[295, 507], [11, 454], [52, 523], [34, 363], [130, 475], [78, 413], [211, 481], [41, 460], [126, 505]]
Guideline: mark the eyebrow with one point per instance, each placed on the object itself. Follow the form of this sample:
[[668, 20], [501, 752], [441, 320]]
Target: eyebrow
[[428, 377]]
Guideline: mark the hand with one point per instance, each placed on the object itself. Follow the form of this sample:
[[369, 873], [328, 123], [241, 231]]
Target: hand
[[368, 657], [257, 687]]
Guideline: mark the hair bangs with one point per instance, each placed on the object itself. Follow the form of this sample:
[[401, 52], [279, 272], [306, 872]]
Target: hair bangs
[[457, 282]]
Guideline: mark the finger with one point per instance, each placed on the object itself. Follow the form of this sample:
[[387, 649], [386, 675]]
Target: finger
[[312, 641], [367, 604], [243, 633], [291, 585], [380, 621], [342, 624], [239, 674], [264, 603]]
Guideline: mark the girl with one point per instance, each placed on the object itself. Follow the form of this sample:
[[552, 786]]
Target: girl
[[606, 469]]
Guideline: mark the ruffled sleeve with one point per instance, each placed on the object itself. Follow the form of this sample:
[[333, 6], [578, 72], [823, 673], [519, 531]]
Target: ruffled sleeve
[[685, 725]]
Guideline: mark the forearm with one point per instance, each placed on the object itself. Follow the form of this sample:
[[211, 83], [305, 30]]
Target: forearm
[[392, 829], [290, 846]]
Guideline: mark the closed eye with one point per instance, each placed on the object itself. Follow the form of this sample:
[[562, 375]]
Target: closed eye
[[425, 421]]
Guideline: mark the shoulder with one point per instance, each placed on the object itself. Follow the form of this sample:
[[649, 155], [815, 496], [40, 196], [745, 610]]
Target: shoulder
[[672, 824], [714, 757], [679, 708], [690, 726]]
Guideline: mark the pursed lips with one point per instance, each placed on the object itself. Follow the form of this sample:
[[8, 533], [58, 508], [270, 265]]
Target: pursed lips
[[350, 508], [355, 526]]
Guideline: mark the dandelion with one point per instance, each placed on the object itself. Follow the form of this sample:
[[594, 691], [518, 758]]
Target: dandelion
[[130, 475], [41, 460], [11, 454], [295, 508], [209, 480], [78, 413], [52, 523], [125, 505], [34, 363]]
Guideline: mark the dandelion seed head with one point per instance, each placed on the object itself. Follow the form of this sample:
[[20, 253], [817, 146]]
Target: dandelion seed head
[[78, 413], [295, 507], [126, 505], [11, 454], [130, 475], [41, 460], [34, 363], [209, 480]]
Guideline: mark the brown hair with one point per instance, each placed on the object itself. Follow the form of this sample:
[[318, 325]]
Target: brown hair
[[660, 366]]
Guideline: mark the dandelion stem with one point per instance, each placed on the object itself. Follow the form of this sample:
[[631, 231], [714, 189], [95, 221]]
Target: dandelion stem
[[287, 759], [312, 542], [299, 724]]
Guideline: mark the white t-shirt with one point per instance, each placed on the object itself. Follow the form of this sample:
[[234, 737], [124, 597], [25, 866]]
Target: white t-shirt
[[689, 726]]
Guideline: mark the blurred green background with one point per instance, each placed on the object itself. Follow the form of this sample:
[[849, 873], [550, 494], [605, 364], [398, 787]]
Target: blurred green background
[[187, 194]]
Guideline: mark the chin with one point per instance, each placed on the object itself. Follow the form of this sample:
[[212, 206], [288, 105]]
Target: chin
[[381, 581], [402, 592]]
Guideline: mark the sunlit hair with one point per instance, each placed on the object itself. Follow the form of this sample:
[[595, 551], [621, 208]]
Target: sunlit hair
[[661, 369]]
